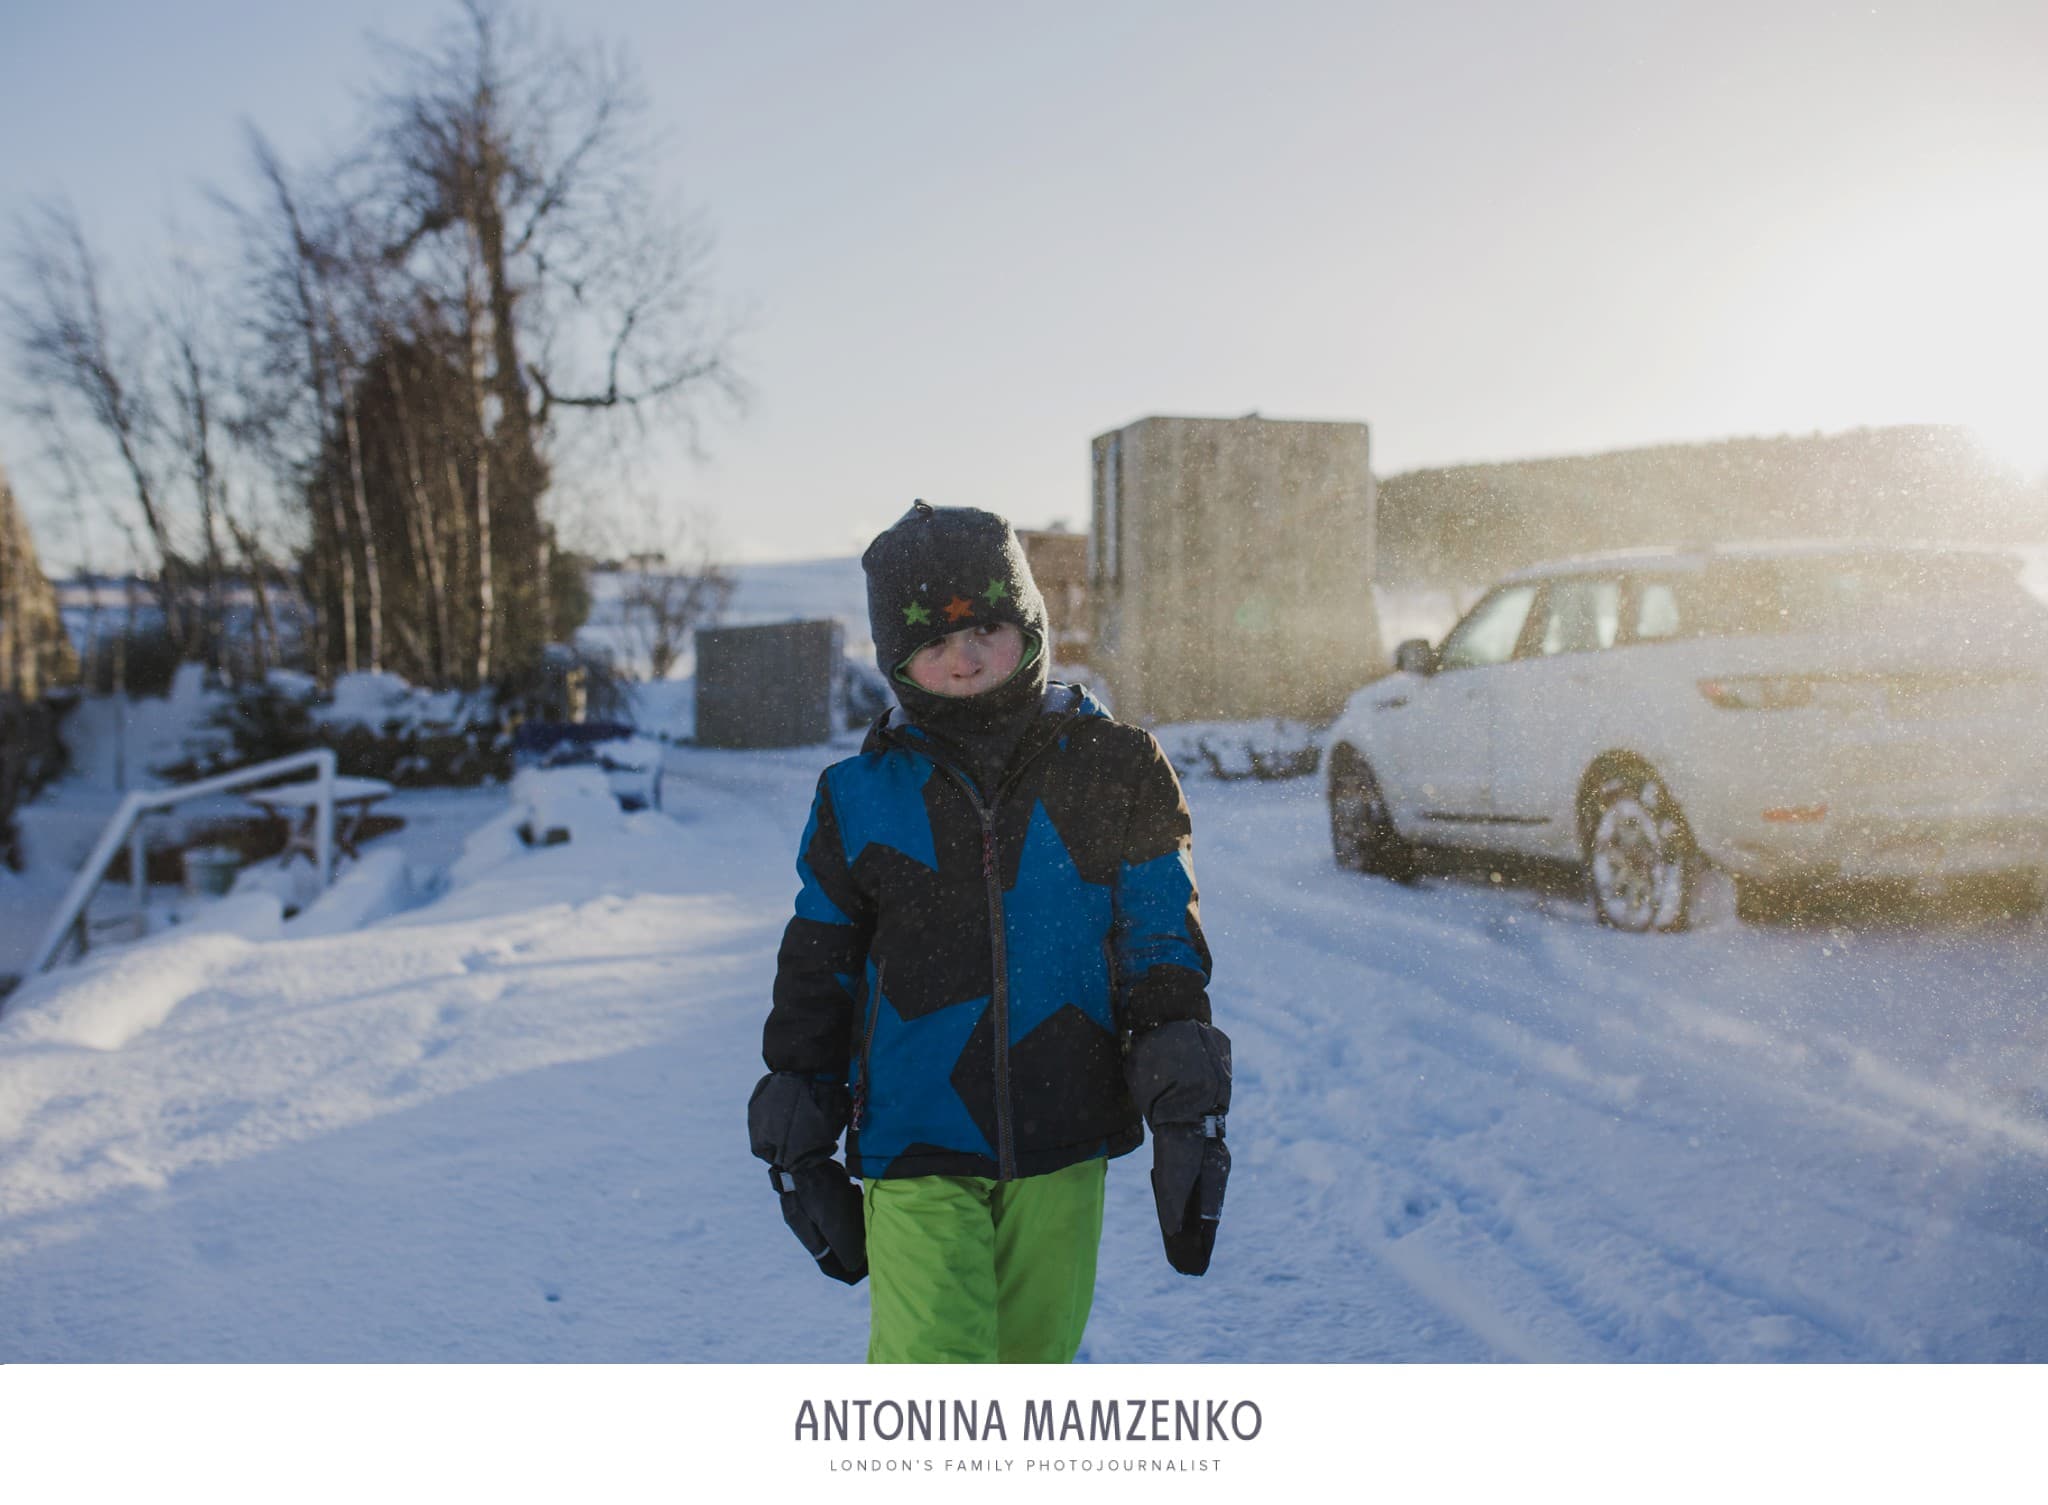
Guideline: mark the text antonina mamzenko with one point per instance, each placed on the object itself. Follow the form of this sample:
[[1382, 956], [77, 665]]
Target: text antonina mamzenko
[[1143, 1420]]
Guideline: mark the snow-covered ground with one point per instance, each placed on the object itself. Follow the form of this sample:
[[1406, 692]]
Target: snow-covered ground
[[507, 1123]]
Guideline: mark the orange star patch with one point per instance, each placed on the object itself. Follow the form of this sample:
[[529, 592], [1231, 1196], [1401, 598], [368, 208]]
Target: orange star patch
[[959, 607]]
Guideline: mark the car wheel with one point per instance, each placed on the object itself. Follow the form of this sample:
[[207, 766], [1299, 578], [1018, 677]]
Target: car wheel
[[1362, 834], [1641, 864]]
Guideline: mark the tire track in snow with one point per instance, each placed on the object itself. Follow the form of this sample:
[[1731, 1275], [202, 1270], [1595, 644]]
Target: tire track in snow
[[1525, 1246], [1513, 1001]]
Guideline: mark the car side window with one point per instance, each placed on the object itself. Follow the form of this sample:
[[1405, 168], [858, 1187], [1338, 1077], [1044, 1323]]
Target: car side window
[[1490, 630], [1657, 612], [1579, 616]]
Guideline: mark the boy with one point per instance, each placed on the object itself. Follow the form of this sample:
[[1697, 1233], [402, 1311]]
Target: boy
[[995, 968]]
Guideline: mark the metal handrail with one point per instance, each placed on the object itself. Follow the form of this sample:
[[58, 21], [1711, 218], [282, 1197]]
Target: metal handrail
[[139, 803]]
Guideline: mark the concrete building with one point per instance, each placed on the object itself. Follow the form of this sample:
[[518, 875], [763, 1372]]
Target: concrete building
[[1059, 563], [1231, 568], [771, 686]]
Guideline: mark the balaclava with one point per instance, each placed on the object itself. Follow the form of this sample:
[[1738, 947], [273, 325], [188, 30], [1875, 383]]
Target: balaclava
[[940, 569]]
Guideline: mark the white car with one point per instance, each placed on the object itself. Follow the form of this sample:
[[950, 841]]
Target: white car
[[1794, 714]]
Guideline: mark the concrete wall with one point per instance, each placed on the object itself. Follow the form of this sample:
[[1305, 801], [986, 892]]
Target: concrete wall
[[772, 686], [1231, 568], [1059, 563]]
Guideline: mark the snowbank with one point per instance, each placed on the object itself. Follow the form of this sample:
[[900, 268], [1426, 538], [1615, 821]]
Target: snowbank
[[106, 1001], [378, 886], [1276, 749], [550, 807], [665, 708], [561, 839]]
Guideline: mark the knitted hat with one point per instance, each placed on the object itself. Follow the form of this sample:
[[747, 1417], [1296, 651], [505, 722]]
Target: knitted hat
[[937, 570]]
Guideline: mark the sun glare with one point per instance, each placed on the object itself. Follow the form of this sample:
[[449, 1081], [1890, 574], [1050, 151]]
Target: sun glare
[[2015, 441], [1938, 316]]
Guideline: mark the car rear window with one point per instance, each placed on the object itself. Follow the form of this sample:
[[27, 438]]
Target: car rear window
[[1820, 592]]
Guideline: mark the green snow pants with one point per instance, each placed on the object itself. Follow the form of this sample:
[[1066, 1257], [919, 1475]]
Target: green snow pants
[[967, 1270]]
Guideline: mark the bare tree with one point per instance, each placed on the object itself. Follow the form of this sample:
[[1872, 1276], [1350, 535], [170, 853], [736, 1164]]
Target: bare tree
[[666, 592], [515, 171], [302, 268], [71, 348], [266, 645], [191, 383], [414, 330]]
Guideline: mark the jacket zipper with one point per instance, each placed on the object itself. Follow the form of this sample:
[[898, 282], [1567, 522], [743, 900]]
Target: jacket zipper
[[999, 945], [867, 1042], [999, 963], [992, 876]]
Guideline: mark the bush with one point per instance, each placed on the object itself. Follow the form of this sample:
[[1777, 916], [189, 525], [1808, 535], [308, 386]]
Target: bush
[[150, 662], [272, 720], [266, 721], [31, 755], [548, 688]]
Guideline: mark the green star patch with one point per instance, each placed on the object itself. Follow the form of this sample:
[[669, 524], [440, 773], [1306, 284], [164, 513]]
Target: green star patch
[[997, 589], [916, 614]]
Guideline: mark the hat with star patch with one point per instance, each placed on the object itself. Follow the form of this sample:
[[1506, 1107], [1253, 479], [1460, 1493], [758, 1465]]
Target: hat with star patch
[[937, 570]]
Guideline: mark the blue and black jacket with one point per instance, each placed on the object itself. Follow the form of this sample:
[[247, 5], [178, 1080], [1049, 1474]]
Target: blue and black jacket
[[972, 964]]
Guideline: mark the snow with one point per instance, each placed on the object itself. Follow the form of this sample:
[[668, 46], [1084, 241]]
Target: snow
[[381, 884], [548, 806], [485, 1101], [666, 708], [127, 991], [1241, 749], [381, 700], [114, 742]]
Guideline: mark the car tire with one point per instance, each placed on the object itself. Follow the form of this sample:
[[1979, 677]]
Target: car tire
[[1362, 834], [1642, 867]]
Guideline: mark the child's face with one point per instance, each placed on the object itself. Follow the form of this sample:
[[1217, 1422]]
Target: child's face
[[968, 661]]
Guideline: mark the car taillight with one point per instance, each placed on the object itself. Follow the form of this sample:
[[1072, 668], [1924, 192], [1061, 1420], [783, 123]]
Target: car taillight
[[1796, 815], [1758, 692]]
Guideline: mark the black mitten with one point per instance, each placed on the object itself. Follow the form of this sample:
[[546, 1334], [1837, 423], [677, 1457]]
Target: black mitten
[[822, 1208], [794, 1124], [1189, 1171], [1179, 1074]]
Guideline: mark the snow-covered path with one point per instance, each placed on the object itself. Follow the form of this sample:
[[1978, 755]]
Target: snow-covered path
[[1468, 1125], [1739, 1144]]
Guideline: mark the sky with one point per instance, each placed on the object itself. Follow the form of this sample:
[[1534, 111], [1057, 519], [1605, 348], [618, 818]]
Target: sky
[[964, 240]]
